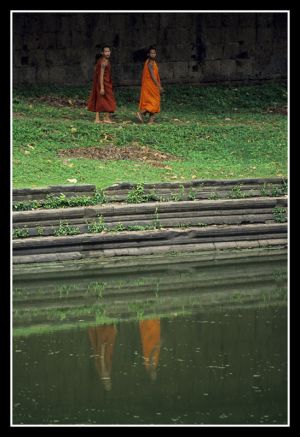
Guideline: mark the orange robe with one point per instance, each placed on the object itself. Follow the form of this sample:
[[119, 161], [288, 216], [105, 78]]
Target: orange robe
[[150, 336], [102, 340], [96, 102], [150, 95]]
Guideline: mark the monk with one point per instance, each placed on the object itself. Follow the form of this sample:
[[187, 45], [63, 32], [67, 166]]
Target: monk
[[150, 337], [151, 88], [102, 340], [102, 97]]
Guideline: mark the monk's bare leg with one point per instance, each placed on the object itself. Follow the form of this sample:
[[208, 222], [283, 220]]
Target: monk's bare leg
[[151, 118], [107, 118], [140, 115], [97, 119]]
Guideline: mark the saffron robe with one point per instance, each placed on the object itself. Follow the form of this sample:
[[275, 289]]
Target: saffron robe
[[96, 102], [150, 95]]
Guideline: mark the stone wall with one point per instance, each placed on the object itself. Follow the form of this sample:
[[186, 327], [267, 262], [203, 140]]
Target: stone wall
[[60, 48]]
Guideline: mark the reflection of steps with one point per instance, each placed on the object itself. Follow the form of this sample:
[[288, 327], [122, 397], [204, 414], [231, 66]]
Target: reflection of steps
[[239, 278], [163, 226]]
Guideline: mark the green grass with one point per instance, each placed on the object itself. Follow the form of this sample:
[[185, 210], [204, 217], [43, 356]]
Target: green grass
[[217, 132]]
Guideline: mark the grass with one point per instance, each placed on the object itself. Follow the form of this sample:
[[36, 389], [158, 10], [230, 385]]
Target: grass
[[217, 132]]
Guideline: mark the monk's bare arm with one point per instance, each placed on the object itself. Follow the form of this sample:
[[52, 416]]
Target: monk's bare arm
[[153, 77], [102, 91]]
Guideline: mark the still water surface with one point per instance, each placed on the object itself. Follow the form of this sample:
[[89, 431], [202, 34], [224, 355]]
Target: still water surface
[[222, 364]]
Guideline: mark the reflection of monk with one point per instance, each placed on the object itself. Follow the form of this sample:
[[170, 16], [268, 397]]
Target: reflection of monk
[[102, 340], [150, 337]]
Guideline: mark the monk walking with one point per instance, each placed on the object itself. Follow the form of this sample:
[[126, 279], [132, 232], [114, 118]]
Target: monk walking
[[102, 97], [151, 88]]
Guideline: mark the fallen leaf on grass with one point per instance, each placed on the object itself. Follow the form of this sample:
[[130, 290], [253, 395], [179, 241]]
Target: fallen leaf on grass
[[72, 180]]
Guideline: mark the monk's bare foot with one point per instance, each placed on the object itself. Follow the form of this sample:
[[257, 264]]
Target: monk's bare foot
[[98, 121], [109, 121], [139, 116], [151, 121]]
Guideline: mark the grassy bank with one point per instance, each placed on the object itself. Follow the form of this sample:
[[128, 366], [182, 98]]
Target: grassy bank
[[212, 133]]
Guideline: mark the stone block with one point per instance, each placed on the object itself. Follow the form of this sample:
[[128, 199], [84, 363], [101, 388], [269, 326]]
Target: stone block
[[17, 39], [195, 73], [211, 70], [152, 20], [227, 69], [263, 53], [85, 69], [42, 75], [57, 75], [213, 20], [264, 19], [247, 19], [64, 39], [214, 51], [212, 35], [179, 52], [167, 20], [28, 75], [166, 71], [247, 35], [56, 56], [279, 64], [230, 19], [49, 21], [244, 68], [17, 55], [47, 40], [78, 39], [185, 20], [131, 73], [231, 50], [229, 34], [180, 70], [264, 35], [16, 76]]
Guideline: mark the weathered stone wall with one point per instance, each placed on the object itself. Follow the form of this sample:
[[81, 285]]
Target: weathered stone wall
[[60, 48]]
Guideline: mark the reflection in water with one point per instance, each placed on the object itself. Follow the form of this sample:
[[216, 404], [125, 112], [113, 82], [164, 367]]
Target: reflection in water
[[150, 337], [103, 340], [222, 366], [223, 357]]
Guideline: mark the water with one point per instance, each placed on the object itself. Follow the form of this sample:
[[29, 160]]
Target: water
[[218, 356]]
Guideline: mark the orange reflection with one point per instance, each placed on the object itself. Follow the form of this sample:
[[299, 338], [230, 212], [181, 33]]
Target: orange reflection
[[103, 340], [150, 337]]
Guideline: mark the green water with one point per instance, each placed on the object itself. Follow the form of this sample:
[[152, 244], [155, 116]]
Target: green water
[[217, 354]]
